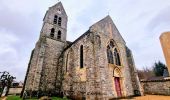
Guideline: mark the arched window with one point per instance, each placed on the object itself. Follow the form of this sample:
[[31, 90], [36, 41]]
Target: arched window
[[67, 60], [55, 19], [52, 33], [113, 56], [59, 35], [81, 56], [110, 55], [112, 44], [117, 57], [59, 21]]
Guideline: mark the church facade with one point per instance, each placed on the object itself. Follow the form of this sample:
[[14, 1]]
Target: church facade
[[97, 65]]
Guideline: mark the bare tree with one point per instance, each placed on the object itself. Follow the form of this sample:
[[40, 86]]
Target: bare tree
[[145, 73]]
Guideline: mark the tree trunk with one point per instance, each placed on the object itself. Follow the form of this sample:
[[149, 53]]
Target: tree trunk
[[4, 91], [7, 91]]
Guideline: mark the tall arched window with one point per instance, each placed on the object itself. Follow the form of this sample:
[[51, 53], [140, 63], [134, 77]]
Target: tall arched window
[[113, 56], [59, 35], [117, 57], [52, 33], [67, 60], [59, 21], [81, 56], [55, 19]]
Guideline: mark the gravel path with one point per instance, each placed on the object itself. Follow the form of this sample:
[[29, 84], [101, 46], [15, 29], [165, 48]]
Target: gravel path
[[153, 97]]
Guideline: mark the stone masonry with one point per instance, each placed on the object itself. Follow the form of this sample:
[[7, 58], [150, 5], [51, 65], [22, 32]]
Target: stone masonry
[[158, 87], [96, 66]]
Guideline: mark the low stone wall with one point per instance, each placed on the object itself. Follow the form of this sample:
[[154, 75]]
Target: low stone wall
[[160, 87], [15, 91]]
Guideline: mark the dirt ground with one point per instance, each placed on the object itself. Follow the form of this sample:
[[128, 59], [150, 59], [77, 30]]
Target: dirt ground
[[151, 97]]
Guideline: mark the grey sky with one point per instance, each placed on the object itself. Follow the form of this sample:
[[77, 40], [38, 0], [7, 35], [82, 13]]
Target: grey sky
[[140, 22]]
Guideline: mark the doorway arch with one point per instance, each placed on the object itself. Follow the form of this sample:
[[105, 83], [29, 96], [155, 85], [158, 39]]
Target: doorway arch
[[117, 80]]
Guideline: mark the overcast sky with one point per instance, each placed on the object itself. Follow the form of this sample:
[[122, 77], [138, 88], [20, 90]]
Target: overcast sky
[[140, 22]]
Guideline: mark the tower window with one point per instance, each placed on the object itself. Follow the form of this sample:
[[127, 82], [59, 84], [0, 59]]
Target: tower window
[[59, 35], [59, 21], [52, 33], [81, 56], [58, 9], [55, 19]]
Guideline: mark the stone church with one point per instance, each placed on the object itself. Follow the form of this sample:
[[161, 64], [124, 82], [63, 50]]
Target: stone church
[[97, 65]]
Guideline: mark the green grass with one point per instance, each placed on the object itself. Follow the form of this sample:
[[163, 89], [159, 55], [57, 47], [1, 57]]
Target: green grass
[[57, 98], [13, 98], [18, 98]]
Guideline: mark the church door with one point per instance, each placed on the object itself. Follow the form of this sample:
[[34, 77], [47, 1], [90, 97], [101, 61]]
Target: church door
[[117, 86]]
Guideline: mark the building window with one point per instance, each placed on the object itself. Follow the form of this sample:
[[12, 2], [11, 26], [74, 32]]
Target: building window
[[110, 55], [112, 44], [59, 35], [81, 56], [113, 56], [52, 33], [117, 57], [67, 61], [55, 19], [59, 21], [58, 9]]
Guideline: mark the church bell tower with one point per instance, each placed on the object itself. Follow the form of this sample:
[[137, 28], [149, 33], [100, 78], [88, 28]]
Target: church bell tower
[[44, 64], [55, 23]]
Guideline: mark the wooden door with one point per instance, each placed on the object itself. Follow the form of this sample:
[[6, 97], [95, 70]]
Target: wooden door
[[118, 86]]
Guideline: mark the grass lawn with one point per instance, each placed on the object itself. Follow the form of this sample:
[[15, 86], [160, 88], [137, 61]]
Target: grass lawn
[[57, 98], [13, 98], [18, 98]]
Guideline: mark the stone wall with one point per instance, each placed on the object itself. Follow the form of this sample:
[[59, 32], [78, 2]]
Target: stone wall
[[43, 65], [75, 78], [15, 91], [134, 76], [49, 71], [34, 70], [161, 87]]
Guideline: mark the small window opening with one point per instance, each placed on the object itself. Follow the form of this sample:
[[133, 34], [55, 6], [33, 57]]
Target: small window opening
[[81, 56], [58, 9], [55, 19], [52, 33], [59, 21], [59, 35], [67, 61]]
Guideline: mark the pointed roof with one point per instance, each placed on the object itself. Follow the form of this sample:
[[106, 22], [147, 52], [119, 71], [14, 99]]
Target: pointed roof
[[105, 21], [59, 4]]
